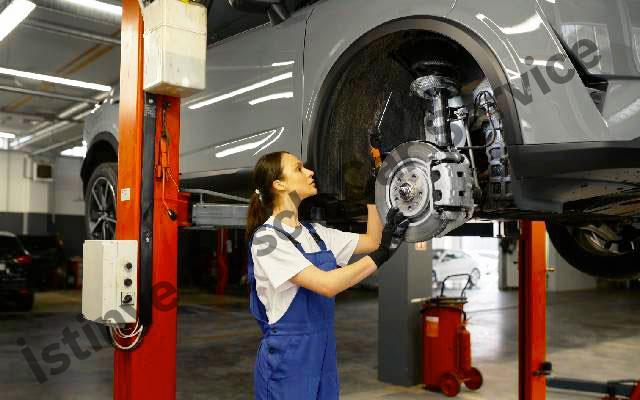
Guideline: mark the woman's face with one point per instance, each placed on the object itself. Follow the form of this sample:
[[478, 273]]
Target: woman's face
[[297, 178]]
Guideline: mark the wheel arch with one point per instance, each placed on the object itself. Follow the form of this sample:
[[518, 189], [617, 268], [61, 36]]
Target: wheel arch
[[466, 38], [103, 148]]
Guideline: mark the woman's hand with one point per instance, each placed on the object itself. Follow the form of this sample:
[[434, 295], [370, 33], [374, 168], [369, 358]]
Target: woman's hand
[[392, 236]]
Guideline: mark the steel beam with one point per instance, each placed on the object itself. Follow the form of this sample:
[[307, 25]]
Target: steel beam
[[69, 32], [50, 95], [55, 146], [79, 11], [36, 116]]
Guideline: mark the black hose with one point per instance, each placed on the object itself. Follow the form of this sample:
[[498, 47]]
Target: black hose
[[494, 133]]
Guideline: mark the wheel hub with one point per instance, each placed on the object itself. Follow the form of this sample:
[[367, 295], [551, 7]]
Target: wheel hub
[[409, 189]]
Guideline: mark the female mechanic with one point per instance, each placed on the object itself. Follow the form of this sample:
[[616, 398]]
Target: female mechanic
[[294, 274]]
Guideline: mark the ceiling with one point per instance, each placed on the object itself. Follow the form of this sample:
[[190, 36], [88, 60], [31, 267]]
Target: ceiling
[[39, 51], [69, 56]]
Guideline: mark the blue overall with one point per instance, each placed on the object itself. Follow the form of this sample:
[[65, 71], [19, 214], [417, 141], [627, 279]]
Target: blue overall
[[297, 355]]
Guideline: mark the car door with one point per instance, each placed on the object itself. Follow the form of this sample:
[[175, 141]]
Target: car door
[[252, 103], [447, 265], [458, 263]]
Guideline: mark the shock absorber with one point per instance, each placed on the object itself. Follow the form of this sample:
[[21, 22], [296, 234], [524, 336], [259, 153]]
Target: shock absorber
[[437, 85]]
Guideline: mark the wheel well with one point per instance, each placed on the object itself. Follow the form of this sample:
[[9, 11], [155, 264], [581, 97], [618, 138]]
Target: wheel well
[[100, 151], [354, 99]]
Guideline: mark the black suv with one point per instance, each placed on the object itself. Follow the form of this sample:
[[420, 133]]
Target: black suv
[[15, 262]]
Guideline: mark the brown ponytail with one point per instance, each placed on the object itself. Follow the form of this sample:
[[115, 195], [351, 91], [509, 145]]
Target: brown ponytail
[[267, 169]]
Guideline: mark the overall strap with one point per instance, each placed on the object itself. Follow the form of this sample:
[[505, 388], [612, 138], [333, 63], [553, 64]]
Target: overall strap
[[315, 235], [288, 236]]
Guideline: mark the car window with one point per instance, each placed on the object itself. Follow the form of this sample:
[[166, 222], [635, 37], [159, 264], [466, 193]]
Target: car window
[[448, 256], [454, 255], [37, 243], [9, 245], [437, 253], [225, 21]]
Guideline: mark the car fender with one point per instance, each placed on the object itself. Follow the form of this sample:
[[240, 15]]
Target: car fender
[[489, 31]]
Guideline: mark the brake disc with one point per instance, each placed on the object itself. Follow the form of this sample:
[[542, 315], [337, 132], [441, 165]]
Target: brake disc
[[432, 187]]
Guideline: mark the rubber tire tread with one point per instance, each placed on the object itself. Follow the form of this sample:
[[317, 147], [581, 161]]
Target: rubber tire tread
[[614, 267]]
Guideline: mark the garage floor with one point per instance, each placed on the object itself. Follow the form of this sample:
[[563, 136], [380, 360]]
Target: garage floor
[[592, 335]]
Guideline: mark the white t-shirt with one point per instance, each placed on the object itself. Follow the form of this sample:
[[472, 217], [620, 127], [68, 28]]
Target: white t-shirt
[[276, 260]]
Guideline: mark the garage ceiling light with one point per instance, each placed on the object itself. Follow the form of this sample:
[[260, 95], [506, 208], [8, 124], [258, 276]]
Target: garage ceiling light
[[5, 135], [54, 79], [98, 5], [13, 15]]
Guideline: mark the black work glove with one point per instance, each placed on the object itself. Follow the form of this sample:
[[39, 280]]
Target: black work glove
[[392, 236]]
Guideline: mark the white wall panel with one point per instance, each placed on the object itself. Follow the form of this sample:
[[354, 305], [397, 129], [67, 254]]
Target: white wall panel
[[67, 187], [18, 193]]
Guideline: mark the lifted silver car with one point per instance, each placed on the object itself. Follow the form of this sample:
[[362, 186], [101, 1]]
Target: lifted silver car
[[475, 108]]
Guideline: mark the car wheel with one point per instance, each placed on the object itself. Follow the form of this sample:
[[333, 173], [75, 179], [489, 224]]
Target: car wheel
[[601, 250], [475, 277], [100, 202]]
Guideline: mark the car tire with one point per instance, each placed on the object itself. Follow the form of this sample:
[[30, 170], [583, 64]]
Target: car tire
[[615, 267], [100, 202]]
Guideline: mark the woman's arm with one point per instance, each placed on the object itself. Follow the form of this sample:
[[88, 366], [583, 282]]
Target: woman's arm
[[330, 283], [370, 241]]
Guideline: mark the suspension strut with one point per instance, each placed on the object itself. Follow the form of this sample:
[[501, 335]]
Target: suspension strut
[[437, 84]]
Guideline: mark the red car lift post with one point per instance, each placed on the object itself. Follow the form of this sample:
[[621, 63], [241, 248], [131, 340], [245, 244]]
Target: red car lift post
[[222, 260], [148, 371], [533, 369], [532, 304]]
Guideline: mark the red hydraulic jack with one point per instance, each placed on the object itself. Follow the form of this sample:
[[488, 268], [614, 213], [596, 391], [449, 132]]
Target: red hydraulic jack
[[149, 210], [447, 344]]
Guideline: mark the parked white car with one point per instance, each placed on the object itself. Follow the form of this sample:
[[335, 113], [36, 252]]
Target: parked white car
[[448, 262]]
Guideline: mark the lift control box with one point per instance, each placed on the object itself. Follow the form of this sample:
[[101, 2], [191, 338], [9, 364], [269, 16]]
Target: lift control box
[[109, 281], [175, 47]]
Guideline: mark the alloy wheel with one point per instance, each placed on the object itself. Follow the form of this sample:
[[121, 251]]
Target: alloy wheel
[[102, 210]]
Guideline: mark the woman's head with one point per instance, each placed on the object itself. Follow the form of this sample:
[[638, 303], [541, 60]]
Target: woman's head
[[278, 177]]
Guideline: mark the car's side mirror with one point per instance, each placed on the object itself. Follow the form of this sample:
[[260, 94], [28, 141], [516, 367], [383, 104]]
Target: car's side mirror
[[275, 9]]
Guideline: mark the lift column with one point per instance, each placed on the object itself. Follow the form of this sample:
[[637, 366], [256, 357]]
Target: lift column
[[405, 277], [148, 371], [532, 304]]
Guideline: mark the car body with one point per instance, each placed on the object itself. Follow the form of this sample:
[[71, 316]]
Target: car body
[[15, 263], [563, 79], [448, 262], [47, 254]]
